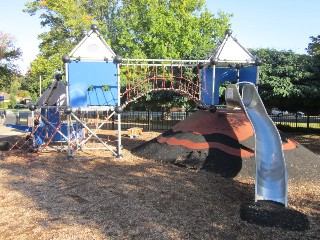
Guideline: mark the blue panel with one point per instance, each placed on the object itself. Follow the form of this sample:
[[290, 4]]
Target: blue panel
[[46, 131], [206, 91], [249, 74], [54, 118], [223, 75], [83, 75]]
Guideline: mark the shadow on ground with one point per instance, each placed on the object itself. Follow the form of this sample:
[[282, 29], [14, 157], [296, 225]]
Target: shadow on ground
[[99, 196]]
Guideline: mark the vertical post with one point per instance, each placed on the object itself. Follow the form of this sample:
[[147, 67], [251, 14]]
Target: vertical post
[[68, 103], [238, 72], [119, 155], [18, 118], [213, 83], [200, 82], [32, 127], [40, 85], [149, 119]]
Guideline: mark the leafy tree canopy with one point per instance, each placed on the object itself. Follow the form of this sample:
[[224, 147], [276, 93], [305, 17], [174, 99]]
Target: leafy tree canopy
[[8, 54], [133, 28], [314, 47], [8, 50], [287, 80], [167, 29]]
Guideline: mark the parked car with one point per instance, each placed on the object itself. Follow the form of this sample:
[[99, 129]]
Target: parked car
[[299, 114], [278, 113], [19, 105]]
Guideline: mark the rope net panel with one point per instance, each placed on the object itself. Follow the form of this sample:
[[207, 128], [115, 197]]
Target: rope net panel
[[50, 131], [142, 77]]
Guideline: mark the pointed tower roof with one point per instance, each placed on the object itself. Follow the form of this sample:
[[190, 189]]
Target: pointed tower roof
[[93, 47], [231, 51]]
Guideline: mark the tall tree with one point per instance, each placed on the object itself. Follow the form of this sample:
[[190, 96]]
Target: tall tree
[[134, 29], [314, 51], [314, 47], [8, 54], [66, 22], [287, 80], [167, 29]]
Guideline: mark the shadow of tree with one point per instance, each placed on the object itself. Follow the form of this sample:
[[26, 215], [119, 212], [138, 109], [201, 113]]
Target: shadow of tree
[[101, 197], [124, 198]]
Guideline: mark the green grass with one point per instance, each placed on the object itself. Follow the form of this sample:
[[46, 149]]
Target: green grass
[[301, 127]]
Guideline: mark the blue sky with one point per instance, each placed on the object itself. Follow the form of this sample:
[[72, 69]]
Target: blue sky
[[279, 24]]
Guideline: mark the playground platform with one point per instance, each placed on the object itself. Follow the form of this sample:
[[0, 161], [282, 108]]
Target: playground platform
[[8, 131]]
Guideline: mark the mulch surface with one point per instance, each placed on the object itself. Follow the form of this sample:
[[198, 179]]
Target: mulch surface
[[97, 196]]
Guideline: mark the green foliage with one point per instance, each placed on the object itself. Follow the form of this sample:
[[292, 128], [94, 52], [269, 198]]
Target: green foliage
[[90, 88], [287, 80], [134, 29], [66, 22], [5, 77], [163, 29], [8, 54], [105, 88], [32, 84], [14, 89], [8, 50], [12, 101], [167, 29], [314, 47]]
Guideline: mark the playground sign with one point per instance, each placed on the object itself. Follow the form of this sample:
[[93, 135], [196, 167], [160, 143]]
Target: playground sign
[[1, 98]]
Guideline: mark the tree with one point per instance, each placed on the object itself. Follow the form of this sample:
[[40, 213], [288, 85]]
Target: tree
[[134, 29], [314, 47], [8, 54], [167, 29], [67, 22], [14, 89], [314, 51], [287, 80]]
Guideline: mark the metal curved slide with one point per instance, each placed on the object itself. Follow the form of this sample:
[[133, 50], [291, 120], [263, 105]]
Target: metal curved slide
[[271, 172]]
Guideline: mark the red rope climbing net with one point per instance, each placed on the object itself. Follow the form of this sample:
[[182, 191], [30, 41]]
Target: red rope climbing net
[[142, 78]]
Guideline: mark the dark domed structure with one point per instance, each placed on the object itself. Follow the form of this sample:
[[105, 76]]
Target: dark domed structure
[[217, 142]]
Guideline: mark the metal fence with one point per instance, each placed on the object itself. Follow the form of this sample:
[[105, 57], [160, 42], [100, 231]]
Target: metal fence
[[150, 121], [160, 121], [294, 121]]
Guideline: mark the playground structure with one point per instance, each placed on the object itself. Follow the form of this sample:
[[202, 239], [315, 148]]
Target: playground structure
[[93, 73]]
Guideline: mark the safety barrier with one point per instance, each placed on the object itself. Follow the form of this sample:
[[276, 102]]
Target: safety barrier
[[160, 121]]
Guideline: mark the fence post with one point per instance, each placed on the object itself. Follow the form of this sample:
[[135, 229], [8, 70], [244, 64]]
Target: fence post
[[149, 119], [18, 118]]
